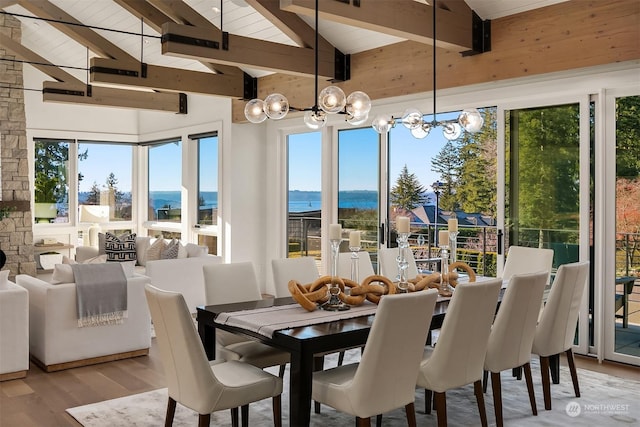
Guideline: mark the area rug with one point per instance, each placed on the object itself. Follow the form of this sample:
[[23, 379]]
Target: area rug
[[605, 401]]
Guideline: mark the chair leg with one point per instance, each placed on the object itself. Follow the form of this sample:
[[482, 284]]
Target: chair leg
[[340, 358], [171, 411], [410, 409], [546, 382], [244, 412], [496, 387], [440, 400], [234, 417], [281, 371], [379, 420], [428, 396], [574, 373], [204, 420], [318, 365], [485, 380], [532, 395], [277, 410], [363, 422], [477, 387], [554, 367]]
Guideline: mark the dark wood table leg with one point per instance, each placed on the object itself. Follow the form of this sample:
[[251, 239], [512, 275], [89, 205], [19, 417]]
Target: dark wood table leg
[[208, 337], [554, 364], [300, 379]]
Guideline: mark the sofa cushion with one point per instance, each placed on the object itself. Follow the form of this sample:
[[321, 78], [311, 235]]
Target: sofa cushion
[[194, 250], [121, 248], [155, 250], [142, 246], [62, 273], [4, 279], [171, 251]]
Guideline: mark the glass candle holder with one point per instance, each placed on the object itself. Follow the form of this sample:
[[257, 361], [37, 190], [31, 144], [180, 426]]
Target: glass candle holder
[[355, 274], [445, 286], [453, 244], [403, 264], [334, 303]]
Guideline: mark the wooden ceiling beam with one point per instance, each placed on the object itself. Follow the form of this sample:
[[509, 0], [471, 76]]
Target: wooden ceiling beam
[[198, 43], [111, 97], [182, 13], [155, 18], [401, 18], [164, 78], [80, 33]]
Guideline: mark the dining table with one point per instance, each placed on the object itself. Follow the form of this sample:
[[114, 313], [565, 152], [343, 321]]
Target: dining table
[[304, 342]]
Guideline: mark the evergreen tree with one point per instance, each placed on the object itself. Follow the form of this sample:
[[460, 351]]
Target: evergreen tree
[[407, 193], [112, 185], [93, 198], [447, 163]]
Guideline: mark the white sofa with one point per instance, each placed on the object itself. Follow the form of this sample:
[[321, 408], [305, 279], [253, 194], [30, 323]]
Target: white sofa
[[182, 275], [14, 331], [55, 340]]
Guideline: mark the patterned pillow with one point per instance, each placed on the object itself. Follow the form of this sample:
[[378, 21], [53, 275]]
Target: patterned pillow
[[171, 251], [155, 250], [121, 248]]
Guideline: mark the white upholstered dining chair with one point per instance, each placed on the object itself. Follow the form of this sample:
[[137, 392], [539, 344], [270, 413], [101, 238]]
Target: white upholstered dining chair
[[194, 382], [521, 259], [458, 357], [557, 326], [512, 335], [302, 269], [365, 267], [385, 377], [237, 282], [388, 263]]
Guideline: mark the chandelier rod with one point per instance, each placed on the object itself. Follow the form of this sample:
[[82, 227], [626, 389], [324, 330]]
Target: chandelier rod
[[435, 122], [315, 48]]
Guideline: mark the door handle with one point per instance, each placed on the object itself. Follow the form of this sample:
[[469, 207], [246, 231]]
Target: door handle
[[499, 241], [381, 234]]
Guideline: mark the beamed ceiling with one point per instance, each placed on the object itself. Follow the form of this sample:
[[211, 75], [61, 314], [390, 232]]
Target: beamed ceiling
[[161, 50]]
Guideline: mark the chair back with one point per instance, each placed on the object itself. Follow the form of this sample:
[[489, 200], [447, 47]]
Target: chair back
[[303, 269], [521, 259], [557, 327], [365, 267], [229, 283], [386, 376], [458, 357], [189, 377], [514, 327], [388, 262]]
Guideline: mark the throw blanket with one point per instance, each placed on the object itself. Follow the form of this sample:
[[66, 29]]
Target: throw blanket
[[101, 291]]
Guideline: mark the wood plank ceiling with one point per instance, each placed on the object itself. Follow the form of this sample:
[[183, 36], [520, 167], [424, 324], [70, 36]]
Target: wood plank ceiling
[[264, 37]]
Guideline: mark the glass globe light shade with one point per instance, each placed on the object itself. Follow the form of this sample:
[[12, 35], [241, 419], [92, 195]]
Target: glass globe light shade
[[332, 99], [358, 104], [315, 119], [254, 111], [471, 120], [452, 131], [412, 118], [276, 106], [422, 131], [357, 120], [382, 123]]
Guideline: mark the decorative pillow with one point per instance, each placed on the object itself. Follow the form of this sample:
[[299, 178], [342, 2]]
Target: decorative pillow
[[142, 246], [67, 260], [121, 248], [62, 273], [98, 259], [101, 244], [182, 251], [171, 251], [155, 250], [194, 251], [4, 279]]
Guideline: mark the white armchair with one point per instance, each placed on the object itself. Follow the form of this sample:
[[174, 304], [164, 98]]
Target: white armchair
[[55, 340], [14, 332]]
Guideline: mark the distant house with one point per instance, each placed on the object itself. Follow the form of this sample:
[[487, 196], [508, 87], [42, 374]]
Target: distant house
[[426, 215]]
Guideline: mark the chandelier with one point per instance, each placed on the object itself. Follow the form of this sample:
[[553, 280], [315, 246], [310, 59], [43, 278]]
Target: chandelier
[[331, 100], [469, 120]]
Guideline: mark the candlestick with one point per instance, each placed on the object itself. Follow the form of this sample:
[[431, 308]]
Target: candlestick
[[402, 224], [443, 238], [453, 224], [354, 239], [334, 303], [403, 264]]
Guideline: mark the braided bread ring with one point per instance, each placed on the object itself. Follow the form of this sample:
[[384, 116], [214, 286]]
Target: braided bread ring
[[430, 281], [390, 287], [296, 290]]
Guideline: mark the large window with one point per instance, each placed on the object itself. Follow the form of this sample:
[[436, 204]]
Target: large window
[[304, 194], [105, 174], [165, 181], [51, 182], [208, 180]]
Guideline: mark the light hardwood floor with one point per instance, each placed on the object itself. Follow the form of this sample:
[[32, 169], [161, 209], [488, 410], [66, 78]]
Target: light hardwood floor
[[40, 399]]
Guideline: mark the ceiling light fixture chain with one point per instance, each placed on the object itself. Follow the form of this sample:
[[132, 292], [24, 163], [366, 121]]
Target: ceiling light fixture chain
[[331, 100], [469, 120]]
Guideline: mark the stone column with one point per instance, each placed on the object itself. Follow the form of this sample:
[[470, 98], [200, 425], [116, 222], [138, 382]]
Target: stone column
[[16, 230]]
